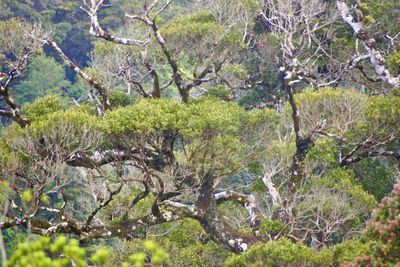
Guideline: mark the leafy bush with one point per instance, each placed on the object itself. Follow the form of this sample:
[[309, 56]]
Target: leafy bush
[[280, 253]]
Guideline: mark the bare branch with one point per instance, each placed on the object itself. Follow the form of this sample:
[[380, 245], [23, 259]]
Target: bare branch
[[248, 201], [86, 76], [102, 205], [376, 58], [96, 30], [369, 154]]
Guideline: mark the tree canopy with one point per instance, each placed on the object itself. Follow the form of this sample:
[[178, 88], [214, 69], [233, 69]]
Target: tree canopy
[[199, 133]]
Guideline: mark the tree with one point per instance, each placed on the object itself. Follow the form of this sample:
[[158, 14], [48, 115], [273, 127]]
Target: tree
[[45, 76], [105, 168]]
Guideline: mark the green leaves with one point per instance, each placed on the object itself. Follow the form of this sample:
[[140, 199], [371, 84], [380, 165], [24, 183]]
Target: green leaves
[[280, 253], [42, 107], [342, 109], [192, 27], [383, 114], [153, 254], [45, 76], [384, 226], [148, 116], [344, 181], [144, 116], [27, 196], [393, 61], [100, 257], [41, 253]]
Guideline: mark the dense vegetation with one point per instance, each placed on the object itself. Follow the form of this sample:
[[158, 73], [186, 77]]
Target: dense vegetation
[[200, 133]]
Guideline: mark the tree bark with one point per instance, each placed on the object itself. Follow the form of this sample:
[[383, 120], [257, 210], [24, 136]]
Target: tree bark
[[214, 223]]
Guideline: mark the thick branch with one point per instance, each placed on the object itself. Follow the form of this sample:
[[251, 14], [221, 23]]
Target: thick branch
[[248, 201], [297, 170], [156, 93], [102, 205], [176, 75], [376, 57], [14, 114], [96, 30], [368, 154], [86, 76], [215, 224]]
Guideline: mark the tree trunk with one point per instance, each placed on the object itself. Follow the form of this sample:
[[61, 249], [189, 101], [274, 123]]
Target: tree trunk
[[215, 225]]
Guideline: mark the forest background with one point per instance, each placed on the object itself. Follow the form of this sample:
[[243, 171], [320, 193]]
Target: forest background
[[200, 133]]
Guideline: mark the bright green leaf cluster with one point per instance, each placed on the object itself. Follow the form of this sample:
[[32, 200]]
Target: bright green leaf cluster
[[42, 107], [383, 114], [344, 181], [192, 27], [100, 257], [153, 253], [144, 116], [36, 254], [393, 61], [272, 227]]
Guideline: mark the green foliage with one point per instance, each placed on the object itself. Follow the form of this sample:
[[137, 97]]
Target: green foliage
[[377, 176], [233, 39], [210, 133], [369, 19], [341, 109], [15, 41], [280, 253], [61, 253], [144, 117], [189, 245], [4, 188], [272, 227], [243, 4], [393, 61], [152, 255], [100, 257], [119, 99], [192, 28], [344, 181], [143, 207], [382, 11], [103, 48], [12, 238], [186, 233], [237, 70], [209, 124], [380, 245], [220, 91], [77, 118], [324, 151], [383, 114], [45, 76], [348, 251], [42, 107], [211, 114], [201, 254], [27, 196]]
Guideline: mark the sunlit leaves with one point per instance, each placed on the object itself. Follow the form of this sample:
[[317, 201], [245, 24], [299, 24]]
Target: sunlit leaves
[[192, 28], [339, 109], [344, 181], [42, 107], [145, 116], [34, 253], [383, 114], [280, 253]]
